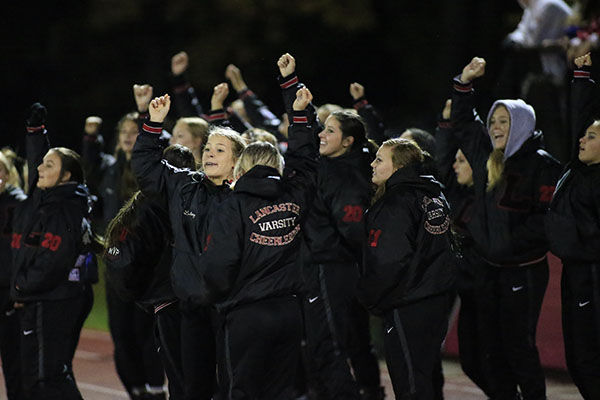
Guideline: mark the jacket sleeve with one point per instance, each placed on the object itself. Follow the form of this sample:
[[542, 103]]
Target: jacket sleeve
[[185, 99], [56, 253], [220, 263], [445, 151], [470, 133], [582, 106], [258, 113], [154, 175], [37, 145], [289, 86], [374, 121], [388, 252], [94, 160]]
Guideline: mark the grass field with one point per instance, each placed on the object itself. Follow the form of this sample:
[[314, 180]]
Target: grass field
[[98, 318]]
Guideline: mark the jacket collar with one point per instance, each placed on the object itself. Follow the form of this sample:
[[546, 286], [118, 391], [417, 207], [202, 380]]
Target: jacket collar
[[260, 181]]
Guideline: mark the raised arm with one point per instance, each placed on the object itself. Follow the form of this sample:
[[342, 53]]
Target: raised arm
[[375, 126], [36, 142], [582, 101], [258, 113], [289, 83], [445, 147], [185, 99]]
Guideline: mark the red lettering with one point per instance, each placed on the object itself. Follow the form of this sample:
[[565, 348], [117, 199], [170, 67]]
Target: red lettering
[[374, 237], [352, 213], [51, 242], [546, 193], [16, 241]]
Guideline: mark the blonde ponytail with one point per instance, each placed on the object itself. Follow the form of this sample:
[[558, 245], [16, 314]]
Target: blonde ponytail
[[495, 168]]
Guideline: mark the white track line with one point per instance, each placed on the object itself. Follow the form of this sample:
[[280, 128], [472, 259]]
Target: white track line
[[102, 389]]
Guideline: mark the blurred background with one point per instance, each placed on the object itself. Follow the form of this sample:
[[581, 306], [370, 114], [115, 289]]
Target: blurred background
[[82, 57]]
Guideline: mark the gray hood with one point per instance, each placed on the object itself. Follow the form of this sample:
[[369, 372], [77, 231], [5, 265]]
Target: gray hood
[[522, 124]]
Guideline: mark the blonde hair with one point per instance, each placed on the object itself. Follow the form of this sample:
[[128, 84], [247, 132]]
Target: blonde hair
[[258, 153], [405, 153], [495, 168], [198, 127], [259, 135], [237, 142], [13, 175]]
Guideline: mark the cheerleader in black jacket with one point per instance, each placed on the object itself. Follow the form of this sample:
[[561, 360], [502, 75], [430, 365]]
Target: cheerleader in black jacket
[[190, 196], [408, 266], [11, 195], [573, 226], [249, 270], [514, 179], [50, 232]]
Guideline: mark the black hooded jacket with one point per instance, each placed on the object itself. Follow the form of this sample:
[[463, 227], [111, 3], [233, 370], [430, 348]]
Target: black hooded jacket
[[190, 197], [10, 198], [49, 229], [407, 256], [573, 221], [253, 239], [508, 220]]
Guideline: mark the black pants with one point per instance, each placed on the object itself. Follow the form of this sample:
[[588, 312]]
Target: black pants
[[46, 339], [136, 357], [259, 350], [413, 337], [337, 329], [10, 335], [198, 352], [581, 326], [88, 303], [471, 338], [168, 332], [511, 303]]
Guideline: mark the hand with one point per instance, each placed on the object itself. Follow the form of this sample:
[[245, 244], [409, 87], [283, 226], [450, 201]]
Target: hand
[[142, 94], [303, 99], [286, 64], [159, 108], [220, 93], [37, 115], [357, 90], [18, 305], [446, 112], [585, 59], [92, 125], [475, 69], [179, 63], [234, 74]]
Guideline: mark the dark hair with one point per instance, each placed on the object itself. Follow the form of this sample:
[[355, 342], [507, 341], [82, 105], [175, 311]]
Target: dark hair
[[352, 124], [70, 162], [180, 156], [424, 139]]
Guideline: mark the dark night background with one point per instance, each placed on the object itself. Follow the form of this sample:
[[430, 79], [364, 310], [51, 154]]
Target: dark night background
[[81, 58]]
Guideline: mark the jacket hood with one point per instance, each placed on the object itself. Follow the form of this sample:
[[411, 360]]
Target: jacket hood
[[522, 124], [261, 181], [412, 175]]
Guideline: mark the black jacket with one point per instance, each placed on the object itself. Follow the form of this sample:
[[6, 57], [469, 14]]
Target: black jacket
[[190, 197], [253, 238], [48, 234], [573, 221], [139, 266], [407, 256], [335, 227], [10, 198], [508, 221]]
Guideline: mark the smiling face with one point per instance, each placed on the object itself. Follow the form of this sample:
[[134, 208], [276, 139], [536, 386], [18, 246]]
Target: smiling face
[[217, 159], [49, 171], [383, 166], [331, 139], [462, 169], [499, 128], [127, 135], [589, 145]]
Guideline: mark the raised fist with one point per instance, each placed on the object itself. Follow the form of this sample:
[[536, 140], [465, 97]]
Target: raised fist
[[286, 64], [303, 99], [179, 63], [37, 115], [142, 94], [159, 108], [234, 75], [92, 125], [357, 90], [220, 93], [585, 59], [475, 69]]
